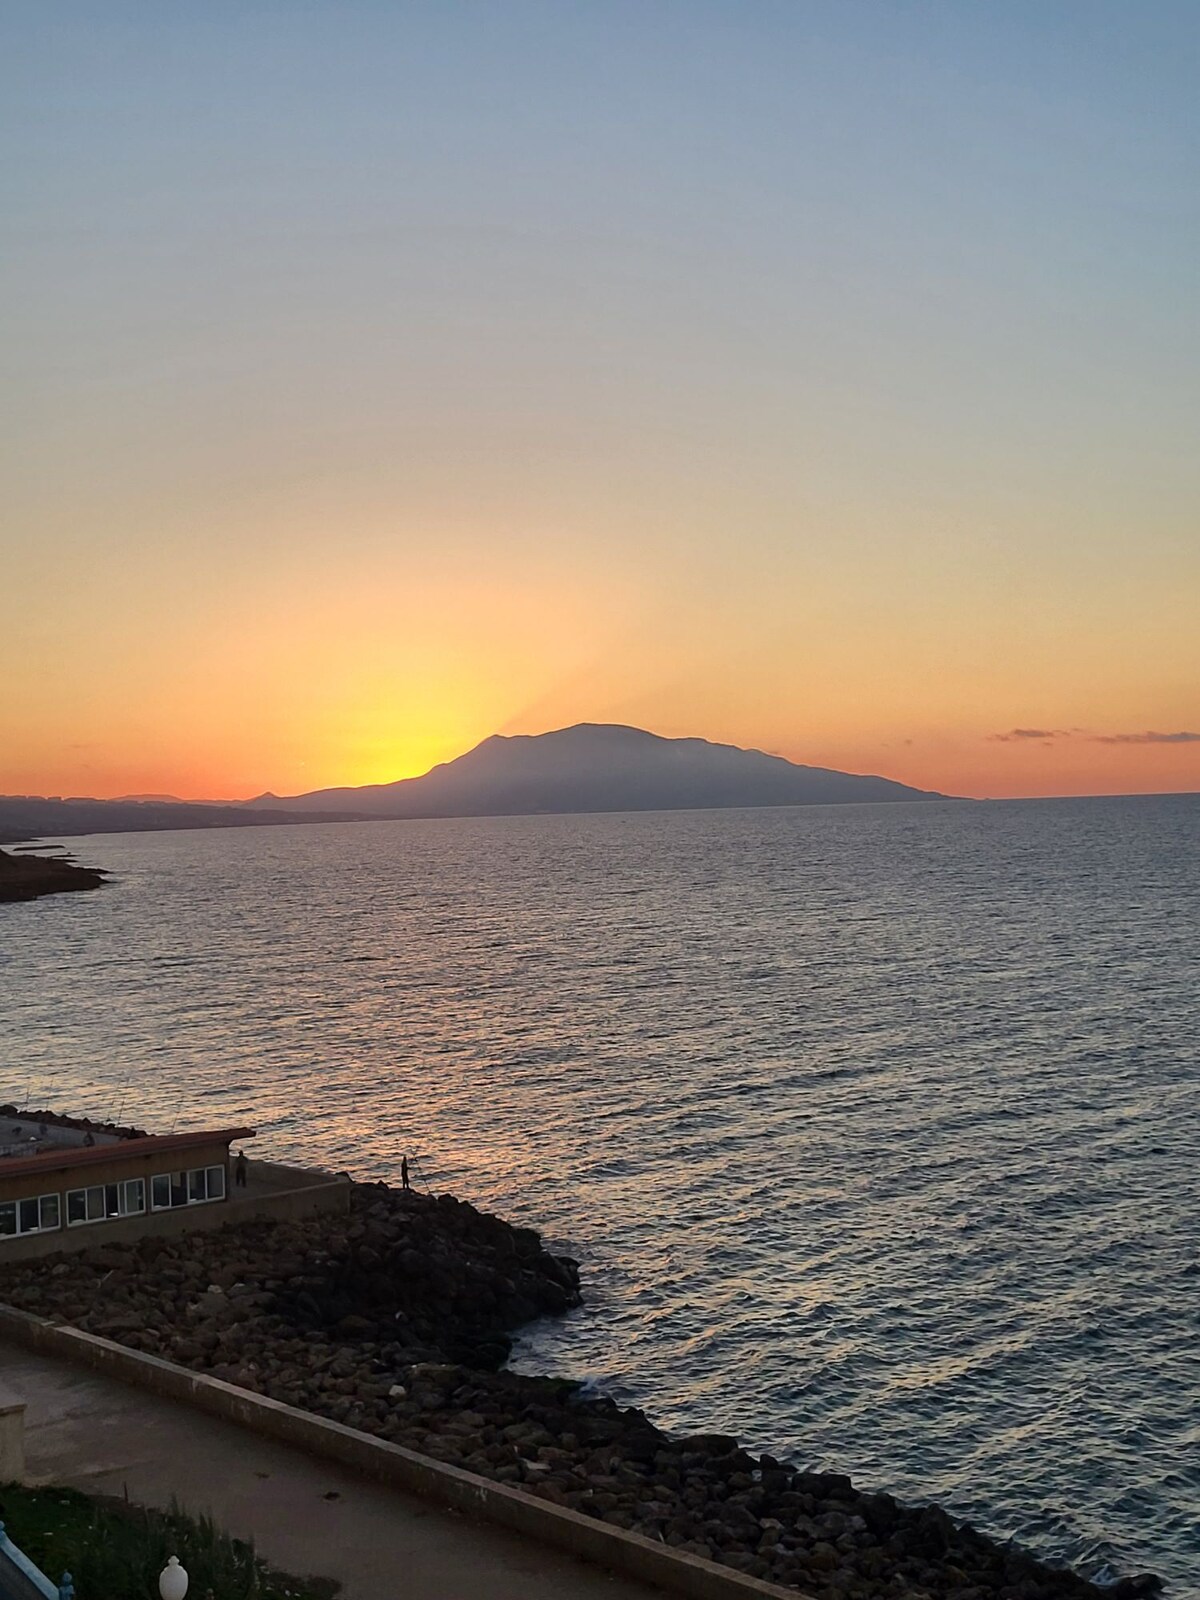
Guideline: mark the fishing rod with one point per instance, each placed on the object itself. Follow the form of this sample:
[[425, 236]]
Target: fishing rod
[[414, 1165]]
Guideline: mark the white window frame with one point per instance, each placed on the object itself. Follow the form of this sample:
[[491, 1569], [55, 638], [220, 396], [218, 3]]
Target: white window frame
[[41, 1226], [97, 1209], [189, 1179], [87, 1194]]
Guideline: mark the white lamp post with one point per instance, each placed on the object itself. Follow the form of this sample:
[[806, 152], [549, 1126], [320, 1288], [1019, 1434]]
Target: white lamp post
[[173, 1580]]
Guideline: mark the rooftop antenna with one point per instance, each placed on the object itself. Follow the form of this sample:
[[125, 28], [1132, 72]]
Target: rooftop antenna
[[121, 1101]]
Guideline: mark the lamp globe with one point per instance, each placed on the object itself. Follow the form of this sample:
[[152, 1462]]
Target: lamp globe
[[173, 1580]]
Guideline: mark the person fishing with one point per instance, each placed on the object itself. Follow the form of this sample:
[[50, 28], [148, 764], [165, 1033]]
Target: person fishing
[[404, 1183]]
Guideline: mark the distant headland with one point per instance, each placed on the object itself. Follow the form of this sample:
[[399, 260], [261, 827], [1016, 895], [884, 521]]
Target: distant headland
[[592, 767], [25, 877]]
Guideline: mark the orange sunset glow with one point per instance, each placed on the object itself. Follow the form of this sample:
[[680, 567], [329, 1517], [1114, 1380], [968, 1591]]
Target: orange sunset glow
[[510, 427]]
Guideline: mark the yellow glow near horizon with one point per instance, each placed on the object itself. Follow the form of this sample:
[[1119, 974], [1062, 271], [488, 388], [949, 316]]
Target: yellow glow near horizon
[[356, 675], [817, 388], [375, 656]]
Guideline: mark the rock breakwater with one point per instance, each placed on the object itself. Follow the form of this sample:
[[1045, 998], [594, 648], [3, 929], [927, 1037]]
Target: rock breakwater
[[395, 1319]]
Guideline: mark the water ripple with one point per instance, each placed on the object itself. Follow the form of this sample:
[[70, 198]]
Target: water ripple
[[874, 1125]]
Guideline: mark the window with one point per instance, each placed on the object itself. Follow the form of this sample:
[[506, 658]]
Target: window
[[105, 1202], [39, 1214], [191, 1188]]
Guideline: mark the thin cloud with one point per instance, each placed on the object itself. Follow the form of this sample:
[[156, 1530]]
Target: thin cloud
[[1047, 736], [1146, 738]]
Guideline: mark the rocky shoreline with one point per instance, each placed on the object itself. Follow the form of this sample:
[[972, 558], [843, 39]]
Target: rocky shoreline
[[396, 1319], [25, 877]]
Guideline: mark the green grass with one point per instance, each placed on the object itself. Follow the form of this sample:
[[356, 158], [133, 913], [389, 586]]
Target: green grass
[[115, 1551]]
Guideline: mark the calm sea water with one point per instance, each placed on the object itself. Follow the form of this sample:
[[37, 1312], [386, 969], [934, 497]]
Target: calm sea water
[[874, 1127]]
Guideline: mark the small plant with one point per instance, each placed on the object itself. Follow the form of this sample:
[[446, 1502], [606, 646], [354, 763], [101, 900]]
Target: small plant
[[115, 1551]]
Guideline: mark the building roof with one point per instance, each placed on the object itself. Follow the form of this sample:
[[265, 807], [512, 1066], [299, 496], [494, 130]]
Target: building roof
[[56, 1119], [60, 1157]]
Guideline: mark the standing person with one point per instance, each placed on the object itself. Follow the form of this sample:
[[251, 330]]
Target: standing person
[[404, 1183], [239, 1171]]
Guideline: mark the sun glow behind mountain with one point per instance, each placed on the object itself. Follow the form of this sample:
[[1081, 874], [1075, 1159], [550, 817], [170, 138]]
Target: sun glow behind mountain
[[803, 379]]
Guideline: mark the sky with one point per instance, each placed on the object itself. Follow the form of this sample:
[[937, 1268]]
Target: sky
[[817, 376]]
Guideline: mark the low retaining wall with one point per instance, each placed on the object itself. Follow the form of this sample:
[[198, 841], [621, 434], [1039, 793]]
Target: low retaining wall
[[281, 1193], [631, 1554], [12, 1437]]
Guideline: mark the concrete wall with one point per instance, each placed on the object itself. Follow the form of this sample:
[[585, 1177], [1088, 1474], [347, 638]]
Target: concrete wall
[[283, 1193], [598, 1542], [12, 1436]]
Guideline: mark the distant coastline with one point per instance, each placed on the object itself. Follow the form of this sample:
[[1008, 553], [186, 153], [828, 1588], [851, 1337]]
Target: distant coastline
[[40, 817]]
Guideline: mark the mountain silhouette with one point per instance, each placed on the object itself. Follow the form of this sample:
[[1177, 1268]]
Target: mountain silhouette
[[598, 767]]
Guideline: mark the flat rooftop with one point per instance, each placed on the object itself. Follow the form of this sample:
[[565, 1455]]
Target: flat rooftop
[[30, 1135]]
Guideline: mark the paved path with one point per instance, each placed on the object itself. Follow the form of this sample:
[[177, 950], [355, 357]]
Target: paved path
[[306, 1516]]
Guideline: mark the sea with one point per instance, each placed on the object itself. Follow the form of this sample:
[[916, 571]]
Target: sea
[[874, 1128]]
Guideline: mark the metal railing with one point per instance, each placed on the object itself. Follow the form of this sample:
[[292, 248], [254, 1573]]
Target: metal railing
[[20, 1579]]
